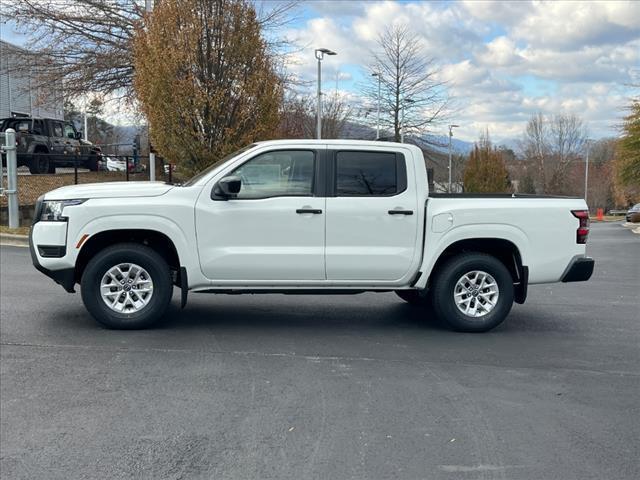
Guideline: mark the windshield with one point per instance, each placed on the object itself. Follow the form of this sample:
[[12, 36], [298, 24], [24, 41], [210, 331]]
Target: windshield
[[207, 170]]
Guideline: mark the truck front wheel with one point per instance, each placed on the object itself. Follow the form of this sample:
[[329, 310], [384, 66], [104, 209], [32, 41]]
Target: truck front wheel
[[127, 286], [472, 292], [40, 164]]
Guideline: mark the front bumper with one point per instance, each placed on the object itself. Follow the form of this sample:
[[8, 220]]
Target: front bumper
[[579, 270], [65, 277]]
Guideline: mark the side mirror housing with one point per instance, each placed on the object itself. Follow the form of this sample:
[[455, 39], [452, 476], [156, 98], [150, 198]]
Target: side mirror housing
[[227, 187], [78, 135]]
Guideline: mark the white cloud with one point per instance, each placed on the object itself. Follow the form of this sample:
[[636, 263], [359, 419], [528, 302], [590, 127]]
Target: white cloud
[[502, 60], [500, 52]]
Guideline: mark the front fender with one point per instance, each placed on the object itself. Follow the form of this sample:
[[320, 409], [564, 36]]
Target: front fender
[[183, 241]]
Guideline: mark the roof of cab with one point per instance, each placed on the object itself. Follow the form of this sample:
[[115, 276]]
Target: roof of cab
[[314, 141]]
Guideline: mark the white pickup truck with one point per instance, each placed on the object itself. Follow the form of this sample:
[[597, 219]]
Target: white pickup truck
[[307, 216]]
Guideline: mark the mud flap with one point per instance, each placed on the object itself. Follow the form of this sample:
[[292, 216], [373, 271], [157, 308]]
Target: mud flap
[[184, 287]]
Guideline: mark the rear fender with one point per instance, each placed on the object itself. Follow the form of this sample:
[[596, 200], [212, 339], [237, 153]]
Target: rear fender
[[437, 243]]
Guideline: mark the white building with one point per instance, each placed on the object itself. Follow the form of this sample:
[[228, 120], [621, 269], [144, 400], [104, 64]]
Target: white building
[[20, 94]]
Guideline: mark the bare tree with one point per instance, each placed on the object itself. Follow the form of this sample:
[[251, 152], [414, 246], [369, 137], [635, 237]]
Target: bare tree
[[85, 43], [568, 137], [88, 44], [552, 144], [407, 78], [298, 120], [535, 147]]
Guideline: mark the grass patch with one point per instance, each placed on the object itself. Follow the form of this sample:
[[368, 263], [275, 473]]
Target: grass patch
[[15, 231]]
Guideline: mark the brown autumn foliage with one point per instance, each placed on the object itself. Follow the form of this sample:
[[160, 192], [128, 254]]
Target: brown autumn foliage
[[205, 80]]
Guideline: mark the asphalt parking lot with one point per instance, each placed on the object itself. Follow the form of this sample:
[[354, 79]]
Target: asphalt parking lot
[[339, 387]]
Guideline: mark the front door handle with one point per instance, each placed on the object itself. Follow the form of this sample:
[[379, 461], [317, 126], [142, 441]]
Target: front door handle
[[309, 210], [400, 212]]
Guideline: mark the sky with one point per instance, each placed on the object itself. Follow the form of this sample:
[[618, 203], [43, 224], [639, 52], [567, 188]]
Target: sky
[[502, 61]]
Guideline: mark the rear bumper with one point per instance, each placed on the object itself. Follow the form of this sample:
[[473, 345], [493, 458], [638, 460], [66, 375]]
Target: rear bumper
[[65, 277], [579, 270]]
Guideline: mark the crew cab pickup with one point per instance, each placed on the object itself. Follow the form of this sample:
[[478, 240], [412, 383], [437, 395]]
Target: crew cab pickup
[[307, 216], [44, 144]]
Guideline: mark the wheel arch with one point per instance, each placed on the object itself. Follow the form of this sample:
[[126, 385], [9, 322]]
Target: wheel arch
[[40, 148], [158, 241], [506, 251]]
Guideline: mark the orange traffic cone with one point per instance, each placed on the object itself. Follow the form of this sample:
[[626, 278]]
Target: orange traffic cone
[[600, 214]]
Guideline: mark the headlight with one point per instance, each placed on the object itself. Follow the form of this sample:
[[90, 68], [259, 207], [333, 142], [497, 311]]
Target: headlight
[[52, 209]]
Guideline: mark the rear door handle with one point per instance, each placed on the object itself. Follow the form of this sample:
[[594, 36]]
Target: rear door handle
[[400, 212], [309, 210]]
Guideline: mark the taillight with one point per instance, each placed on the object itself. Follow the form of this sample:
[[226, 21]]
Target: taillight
[[583, 229]]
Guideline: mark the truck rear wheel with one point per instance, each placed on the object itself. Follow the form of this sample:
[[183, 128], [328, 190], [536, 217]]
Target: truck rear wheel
[[92, 162], [127, 286], [472, 292]]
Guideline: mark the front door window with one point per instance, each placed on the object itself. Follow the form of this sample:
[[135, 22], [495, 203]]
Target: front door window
[[277, 174]]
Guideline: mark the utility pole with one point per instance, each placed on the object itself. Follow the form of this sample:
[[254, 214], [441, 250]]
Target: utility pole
[[586, 171], [377, 74], [451, 127], [320, 53]]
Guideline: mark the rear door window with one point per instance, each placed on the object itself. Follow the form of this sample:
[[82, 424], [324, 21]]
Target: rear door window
[[370, 174]]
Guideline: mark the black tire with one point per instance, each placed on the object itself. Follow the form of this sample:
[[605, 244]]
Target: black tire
[[414, 297], [140, 255], [39, 164], [444, 285], [92, 162]]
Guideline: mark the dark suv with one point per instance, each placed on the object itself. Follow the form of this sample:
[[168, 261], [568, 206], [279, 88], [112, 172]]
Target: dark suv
[[44, 144]]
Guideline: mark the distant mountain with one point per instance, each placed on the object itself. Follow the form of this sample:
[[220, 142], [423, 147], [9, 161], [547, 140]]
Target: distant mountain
[[440, 143]]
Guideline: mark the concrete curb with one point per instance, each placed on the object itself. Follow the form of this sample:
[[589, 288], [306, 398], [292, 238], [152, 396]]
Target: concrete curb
[[14, 240]]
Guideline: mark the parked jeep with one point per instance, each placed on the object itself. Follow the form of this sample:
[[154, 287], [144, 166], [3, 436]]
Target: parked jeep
[[44, 144]]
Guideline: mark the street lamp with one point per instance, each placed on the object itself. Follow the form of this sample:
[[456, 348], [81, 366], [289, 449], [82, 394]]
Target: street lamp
[[404, 101], [320, 53], [377, 74], [451, 127], [586, 170]]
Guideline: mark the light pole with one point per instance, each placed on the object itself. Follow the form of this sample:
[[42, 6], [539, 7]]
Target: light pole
[[451, 127], [377, 74], [586, 171], [404, 101], [320, 53]]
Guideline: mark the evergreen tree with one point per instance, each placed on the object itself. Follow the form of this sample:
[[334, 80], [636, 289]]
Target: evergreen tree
[[485, 171]]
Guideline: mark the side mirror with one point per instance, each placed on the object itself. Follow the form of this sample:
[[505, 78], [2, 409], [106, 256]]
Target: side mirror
[[78, 135], [228, 187]]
